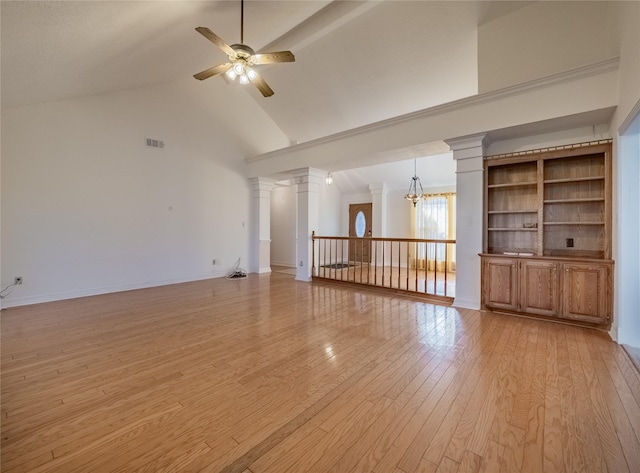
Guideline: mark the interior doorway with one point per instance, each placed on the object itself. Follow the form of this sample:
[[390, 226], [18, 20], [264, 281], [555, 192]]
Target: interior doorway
[[360, 227]]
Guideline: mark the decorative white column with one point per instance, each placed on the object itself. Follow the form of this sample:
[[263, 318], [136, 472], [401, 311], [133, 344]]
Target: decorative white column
[[468, 152], [261, 224], [308, 181], [379, 193]]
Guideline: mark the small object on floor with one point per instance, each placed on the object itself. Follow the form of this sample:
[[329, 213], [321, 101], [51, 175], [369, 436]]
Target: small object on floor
[[237, 272]]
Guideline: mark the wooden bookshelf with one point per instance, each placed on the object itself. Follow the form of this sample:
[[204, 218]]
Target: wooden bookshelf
[[547, 211]]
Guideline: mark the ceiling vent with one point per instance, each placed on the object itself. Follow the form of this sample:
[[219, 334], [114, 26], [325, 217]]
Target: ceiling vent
[[154, 143]]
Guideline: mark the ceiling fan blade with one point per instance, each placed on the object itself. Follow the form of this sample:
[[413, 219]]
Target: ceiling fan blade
[[212, 71], [215, 39], [269, 58], [262, 86]]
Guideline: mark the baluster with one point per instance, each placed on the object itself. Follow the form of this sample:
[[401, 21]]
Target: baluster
[[342, 259], [408, 265], [375, 265], [391, 265], [435, 268], [399, 255], [313, 252], [426, 266], [416, 268], [446, 267]]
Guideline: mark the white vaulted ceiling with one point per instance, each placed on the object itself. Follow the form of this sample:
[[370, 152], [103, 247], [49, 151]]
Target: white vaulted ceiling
[[357, 62], [55, 50]]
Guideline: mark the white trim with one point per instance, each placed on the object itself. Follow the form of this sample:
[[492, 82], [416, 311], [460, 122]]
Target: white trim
[[59, 296], [465, 304], [626, 123]]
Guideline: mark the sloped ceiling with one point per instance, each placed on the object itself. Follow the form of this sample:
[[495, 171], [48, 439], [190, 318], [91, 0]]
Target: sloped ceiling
[[357, 62], [54, 50]]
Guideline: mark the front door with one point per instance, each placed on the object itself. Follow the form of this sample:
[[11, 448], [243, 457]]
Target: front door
[[360, 227]]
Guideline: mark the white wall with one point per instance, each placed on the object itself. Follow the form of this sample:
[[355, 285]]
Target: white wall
[[87, 208], [398, 214], [626, 328], [330, 206], [283, 225], [283, 220], [544, 38]]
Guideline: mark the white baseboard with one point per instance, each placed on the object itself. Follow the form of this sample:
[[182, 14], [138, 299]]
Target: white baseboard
[[42, 298], [280, 263], [466, 304]]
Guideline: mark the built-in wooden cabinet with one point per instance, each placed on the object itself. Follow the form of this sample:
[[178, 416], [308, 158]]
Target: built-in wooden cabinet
[[560, 288], [587, 292], [547, 243], [500, 283], [539, 287], [521, 285]]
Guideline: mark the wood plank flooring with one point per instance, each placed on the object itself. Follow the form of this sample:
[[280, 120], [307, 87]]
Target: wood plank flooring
[[267, 374], [428, 283]]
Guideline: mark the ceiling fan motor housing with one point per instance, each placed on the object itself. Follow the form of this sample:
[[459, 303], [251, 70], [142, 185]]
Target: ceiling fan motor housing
[[243, 50]]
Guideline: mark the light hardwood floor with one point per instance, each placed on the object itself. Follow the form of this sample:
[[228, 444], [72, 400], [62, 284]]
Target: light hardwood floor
[[267, 374]]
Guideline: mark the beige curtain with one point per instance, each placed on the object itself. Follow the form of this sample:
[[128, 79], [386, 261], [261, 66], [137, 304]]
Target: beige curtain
[[435, 218]]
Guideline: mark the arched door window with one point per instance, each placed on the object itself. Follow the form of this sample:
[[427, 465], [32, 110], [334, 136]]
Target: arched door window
[[361, 224]]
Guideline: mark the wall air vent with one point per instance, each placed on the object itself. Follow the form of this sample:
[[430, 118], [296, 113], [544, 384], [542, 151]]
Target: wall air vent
[[154, 143]]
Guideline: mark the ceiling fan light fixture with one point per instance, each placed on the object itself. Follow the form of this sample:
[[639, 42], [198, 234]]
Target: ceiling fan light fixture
[[251, 74], [238, 68], [231, 74], [244, 79]]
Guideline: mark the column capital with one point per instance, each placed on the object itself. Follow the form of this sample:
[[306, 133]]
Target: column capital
[[378, 188], [470, 146], [308, 176], [262, 183]]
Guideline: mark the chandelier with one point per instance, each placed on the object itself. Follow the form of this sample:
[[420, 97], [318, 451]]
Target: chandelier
[[413, 195]]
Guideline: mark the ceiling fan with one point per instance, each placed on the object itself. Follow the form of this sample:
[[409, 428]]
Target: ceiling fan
[[242, 59]]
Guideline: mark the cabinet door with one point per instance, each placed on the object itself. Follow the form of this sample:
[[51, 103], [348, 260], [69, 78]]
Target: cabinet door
[[585, 292], [500, 288], [539, 287]]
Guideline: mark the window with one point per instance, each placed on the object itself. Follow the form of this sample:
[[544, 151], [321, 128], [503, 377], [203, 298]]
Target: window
[[435, 218]]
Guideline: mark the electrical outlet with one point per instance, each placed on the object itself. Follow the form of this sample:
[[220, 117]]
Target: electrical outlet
[[18, 280], [569, 242], [213, 262]]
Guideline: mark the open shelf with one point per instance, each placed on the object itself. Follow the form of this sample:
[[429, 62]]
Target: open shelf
[[573, 179], [551, 199], [573, 223], [496, 212], [568, 201], [515, 184]]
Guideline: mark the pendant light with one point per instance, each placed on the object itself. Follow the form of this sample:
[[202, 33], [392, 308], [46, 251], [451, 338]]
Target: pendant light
[[413, 194]]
